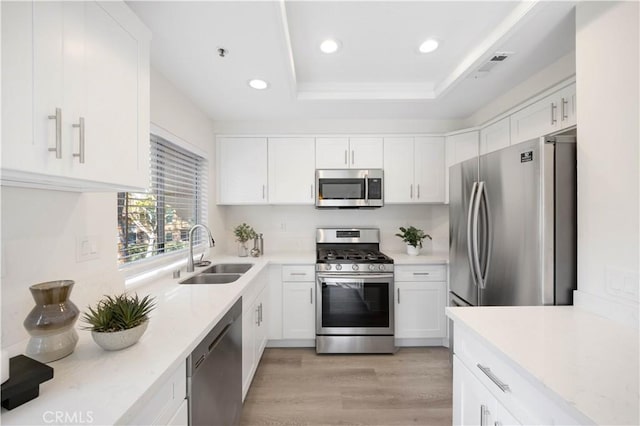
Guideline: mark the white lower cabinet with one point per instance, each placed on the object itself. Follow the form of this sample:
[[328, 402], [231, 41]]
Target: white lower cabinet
[[298, 302], [254, 328], [488, 390], [181, 417], [168, 404], [420, 300]]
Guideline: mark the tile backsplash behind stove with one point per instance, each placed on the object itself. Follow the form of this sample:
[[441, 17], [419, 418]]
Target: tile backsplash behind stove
[[292, 228]]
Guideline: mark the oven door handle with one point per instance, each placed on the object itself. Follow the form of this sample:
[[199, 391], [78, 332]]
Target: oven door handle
[[358, 277]]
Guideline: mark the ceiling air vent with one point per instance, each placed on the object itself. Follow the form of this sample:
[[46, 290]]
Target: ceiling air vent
[[484, 69]]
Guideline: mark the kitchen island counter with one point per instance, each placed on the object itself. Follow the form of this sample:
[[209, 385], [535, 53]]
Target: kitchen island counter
[[581, 361]]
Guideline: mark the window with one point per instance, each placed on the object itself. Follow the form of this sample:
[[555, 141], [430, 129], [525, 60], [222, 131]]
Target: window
[[157, 222]]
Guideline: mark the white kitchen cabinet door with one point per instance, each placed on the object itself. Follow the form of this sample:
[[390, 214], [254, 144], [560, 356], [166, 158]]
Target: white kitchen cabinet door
[[535, 120], [420, 309], [495, 136], [298, 310], [89, 98], [242, 170], [459, 147], [262, 325], [249, 351], [291, 170], [17, 86], [181, 417], [473, 404], [429, 169], [332, 153], [398, 170], [365, 153]]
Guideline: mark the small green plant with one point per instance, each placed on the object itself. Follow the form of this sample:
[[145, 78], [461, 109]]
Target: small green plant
[[413, 236], [117, 313], [244, 233]]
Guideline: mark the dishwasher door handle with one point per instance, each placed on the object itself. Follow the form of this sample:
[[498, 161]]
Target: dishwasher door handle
[[213, 345]]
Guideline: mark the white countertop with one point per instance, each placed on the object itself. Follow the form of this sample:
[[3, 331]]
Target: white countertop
[[588, 361], [112, 386], [402, 258]]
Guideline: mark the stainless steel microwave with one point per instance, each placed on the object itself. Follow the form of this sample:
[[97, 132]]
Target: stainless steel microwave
[[349, 188]]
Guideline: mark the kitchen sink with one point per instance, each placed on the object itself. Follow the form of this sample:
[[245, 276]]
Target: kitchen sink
[[228, 268], [205, 278]]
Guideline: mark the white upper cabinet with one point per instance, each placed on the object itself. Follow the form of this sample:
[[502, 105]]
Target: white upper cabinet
[[495, 136], [349, 153], [242, 170], [78, 74], [460, 147], [414, 169], [291, 170], [550, 114]]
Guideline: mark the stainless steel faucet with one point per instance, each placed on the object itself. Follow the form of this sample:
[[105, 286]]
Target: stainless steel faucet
[[190, 267]]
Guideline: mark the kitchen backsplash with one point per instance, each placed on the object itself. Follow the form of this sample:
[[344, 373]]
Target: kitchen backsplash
[[292, 228]]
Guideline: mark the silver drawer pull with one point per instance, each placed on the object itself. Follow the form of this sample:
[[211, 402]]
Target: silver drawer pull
[[486, 370], [422, 273], [298, 273], [58, 117], [80, 127]]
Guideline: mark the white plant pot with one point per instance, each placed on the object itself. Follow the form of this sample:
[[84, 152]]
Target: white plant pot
[[117, 340], [413, 251]]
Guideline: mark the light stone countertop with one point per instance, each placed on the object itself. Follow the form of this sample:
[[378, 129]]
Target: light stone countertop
[[111, 387], [588, 361], [402, 258]]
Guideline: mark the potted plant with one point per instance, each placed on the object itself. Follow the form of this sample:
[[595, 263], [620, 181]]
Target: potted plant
[[413, 237], [244, 233], [118, 322]]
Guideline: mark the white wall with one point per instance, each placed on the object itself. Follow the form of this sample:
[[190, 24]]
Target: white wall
[[175, 113], [607, 45], [562, 69], [40, 228], [292, 228]]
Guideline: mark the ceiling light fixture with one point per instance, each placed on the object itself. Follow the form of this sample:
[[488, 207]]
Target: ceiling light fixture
[[258, 84], [330, 46], [428, 46]]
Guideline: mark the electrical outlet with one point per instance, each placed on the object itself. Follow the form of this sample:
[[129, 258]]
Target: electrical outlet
[[87, 248]]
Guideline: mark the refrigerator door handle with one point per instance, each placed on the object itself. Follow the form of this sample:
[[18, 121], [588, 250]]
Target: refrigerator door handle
[[471, 233], [474, 244], [488, 235]]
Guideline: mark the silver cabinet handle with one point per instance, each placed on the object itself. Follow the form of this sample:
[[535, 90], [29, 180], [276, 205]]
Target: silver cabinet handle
[[398, 296], [484, 413], [311, 189], [298, 273], [345, 157], [257, 315], [553, 113], [311, 295], [418, 191], [263, 191], [260, 312], [58, 118], [353, 156], [497, 423], [564, 109], [486, 370], [422, 273], [411, 191], [80, 153]]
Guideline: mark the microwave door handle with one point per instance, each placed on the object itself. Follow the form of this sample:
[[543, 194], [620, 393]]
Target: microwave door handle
[[366, 189]]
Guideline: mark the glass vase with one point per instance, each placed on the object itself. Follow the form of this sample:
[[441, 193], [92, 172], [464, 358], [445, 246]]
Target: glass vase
[[51, 322], [243, 249]]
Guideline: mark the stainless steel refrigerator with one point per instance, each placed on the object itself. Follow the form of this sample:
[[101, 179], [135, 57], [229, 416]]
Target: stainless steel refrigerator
[[512, 214]]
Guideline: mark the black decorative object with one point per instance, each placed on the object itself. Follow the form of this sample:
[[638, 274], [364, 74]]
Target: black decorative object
[[23, 385]]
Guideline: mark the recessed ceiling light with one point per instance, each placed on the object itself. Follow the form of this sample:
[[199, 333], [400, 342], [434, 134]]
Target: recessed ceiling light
[[428, 46], [258, 84], [330, 46]]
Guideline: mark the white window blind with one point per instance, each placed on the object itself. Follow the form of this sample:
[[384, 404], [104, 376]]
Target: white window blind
[[157, 222]]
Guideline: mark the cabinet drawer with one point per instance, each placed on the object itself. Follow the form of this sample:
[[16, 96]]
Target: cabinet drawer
[[298, 272], [421, 273], [524, 400], [166, 401]]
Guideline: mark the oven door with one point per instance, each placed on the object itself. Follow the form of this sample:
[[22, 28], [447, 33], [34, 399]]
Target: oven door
[[353, 304]]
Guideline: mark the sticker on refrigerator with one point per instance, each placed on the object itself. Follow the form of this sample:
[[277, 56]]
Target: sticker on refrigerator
[[526, 156]]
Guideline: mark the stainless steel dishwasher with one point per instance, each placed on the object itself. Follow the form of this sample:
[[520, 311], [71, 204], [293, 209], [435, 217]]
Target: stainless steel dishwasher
[[214, 373]]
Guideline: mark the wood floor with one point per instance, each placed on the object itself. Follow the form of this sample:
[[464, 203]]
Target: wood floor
[[298, 387]]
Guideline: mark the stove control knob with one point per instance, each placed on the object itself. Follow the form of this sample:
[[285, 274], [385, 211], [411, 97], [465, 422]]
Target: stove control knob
[[372, 267], [381, 267], [338, 267], [327, 267], [354, 267]]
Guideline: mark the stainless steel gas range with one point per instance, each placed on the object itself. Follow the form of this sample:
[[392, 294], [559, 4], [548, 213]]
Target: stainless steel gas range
[[354, 287]]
